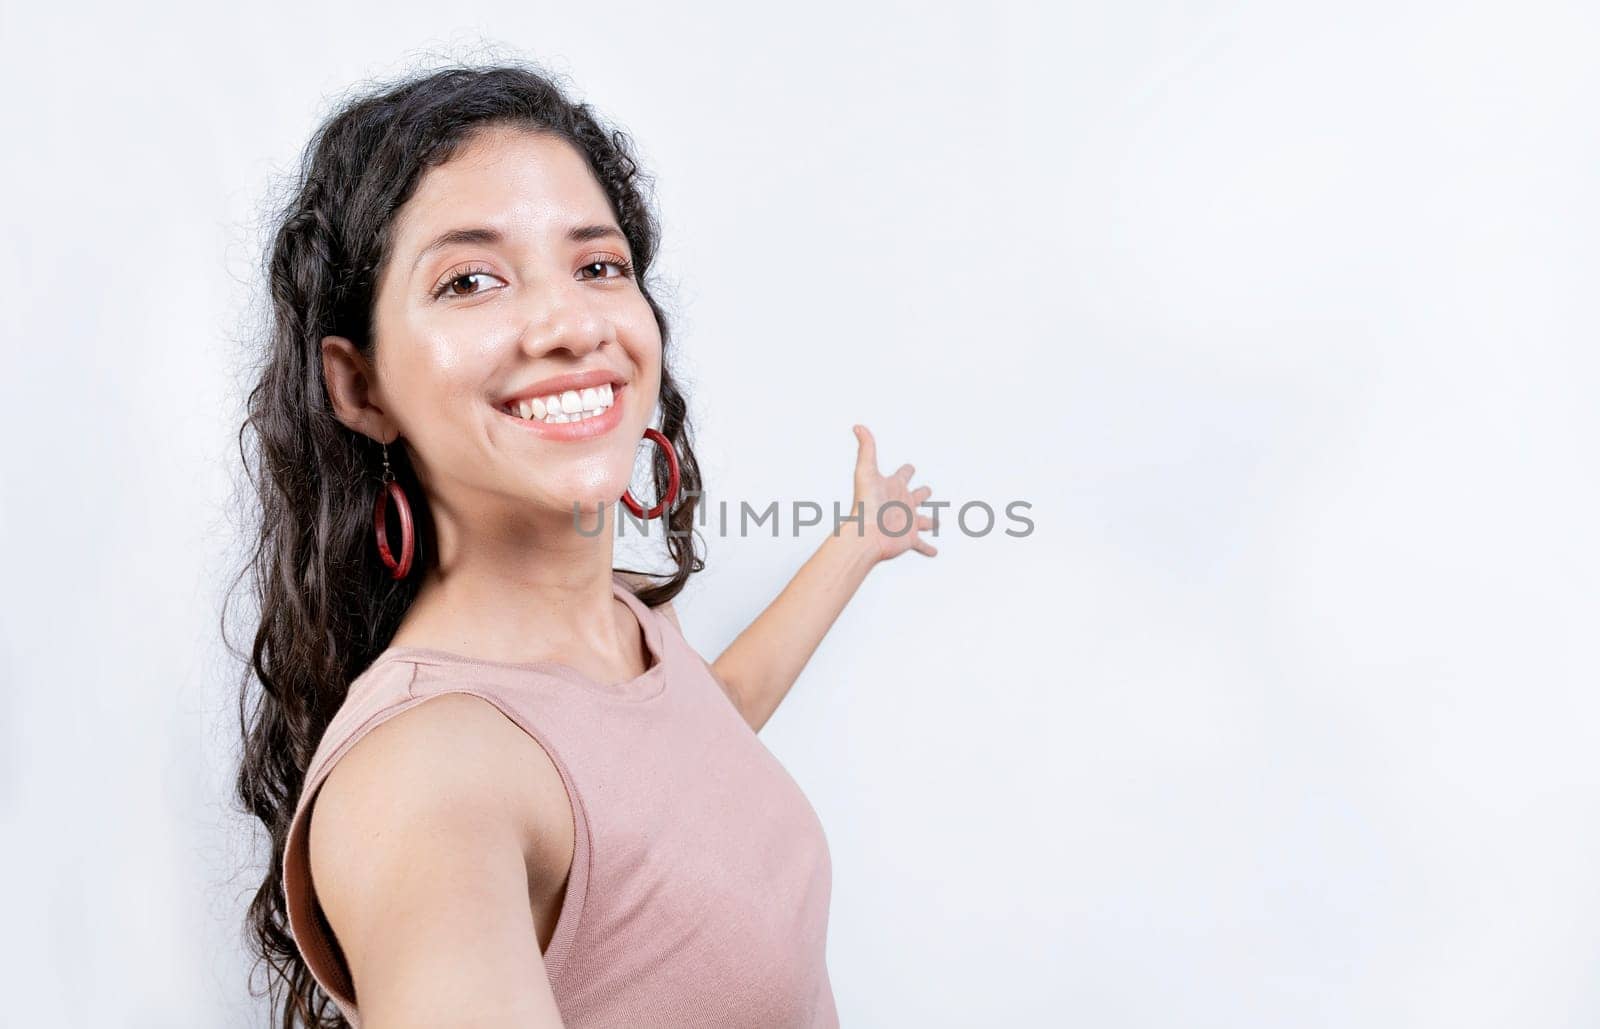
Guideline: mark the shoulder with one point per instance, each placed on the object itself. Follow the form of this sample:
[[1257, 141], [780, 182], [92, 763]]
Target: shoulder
[[452, 756], [426, 831]]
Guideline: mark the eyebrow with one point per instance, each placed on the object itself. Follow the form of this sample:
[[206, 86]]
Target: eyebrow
[[493, 237]]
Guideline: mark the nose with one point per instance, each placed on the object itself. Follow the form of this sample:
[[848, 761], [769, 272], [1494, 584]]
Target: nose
[[561, 319]]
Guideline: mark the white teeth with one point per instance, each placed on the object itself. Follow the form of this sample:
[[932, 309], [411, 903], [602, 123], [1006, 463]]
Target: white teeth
[[568, 406], [560, 417]]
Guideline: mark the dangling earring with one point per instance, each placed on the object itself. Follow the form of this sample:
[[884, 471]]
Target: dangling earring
[[672, 478], [391, 488]]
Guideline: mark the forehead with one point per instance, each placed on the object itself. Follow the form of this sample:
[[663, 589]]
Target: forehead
[[513, 179]]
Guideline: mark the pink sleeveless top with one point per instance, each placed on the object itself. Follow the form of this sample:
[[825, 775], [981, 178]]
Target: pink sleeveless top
[[700, 876]]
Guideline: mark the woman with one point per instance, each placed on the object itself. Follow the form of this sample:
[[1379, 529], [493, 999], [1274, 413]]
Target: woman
[[502, 788]]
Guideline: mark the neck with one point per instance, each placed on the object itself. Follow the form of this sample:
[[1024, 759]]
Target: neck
[[525, 587]]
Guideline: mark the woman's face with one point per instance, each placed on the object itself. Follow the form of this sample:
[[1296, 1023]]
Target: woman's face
[[508, 273]]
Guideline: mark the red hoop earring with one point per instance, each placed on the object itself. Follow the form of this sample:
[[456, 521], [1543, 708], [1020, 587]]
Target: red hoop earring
[[672, 478], [391, 488]]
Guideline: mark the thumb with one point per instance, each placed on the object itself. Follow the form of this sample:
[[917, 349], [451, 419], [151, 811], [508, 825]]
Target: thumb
[[867, 455]]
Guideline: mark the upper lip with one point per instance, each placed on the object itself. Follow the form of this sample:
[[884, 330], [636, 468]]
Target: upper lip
[[561, 383]]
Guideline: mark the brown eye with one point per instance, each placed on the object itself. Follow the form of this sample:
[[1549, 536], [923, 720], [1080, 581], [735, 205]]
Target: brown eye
[[459, 284], [624, 269]]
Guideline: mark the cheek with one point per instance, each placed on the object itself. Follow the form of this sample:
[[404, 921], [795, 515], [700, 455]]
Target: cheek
[[440, 388], [443, 355], [641, 338], [445, 373], [470, 342]]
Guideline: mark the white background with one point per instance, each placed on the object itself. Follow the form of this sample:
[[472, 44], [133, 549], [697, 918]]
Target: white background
[[1281, 316]]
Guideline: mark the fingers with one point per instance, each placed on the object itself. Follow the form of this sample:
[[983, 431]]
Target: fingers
[[904, 472], [925, 548], [921, 493], [924, 523]]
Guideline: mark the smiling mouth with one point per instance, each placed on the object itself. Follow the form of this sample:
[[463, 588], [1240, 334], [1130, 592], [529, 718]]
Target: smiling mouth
[[573, 405]]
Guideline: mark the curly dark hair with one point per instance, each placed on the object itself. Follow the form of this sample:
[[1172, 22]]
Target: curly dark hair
[[327, 606]]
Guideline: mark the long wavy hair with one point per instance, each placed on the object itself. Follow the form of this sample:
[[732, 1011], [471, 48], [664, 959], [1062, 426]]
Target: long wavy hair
[[327, 606]]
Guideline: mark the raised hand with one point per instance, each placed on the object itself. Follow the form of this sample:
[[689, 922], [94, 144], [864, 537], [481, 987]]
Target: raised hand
[[873, 491]]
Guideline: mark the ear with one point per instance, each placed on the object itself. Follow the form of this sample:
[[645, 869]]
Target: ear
[[353, 390]]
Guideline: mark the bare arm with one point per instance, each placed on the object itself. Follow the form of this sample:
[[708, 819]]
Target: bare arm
[[763, 662], [418, 854]]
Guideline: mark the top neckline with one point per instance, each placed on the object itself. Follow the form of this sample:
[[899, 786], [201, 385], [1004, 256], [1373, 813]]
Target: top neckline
[[643, 686]]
